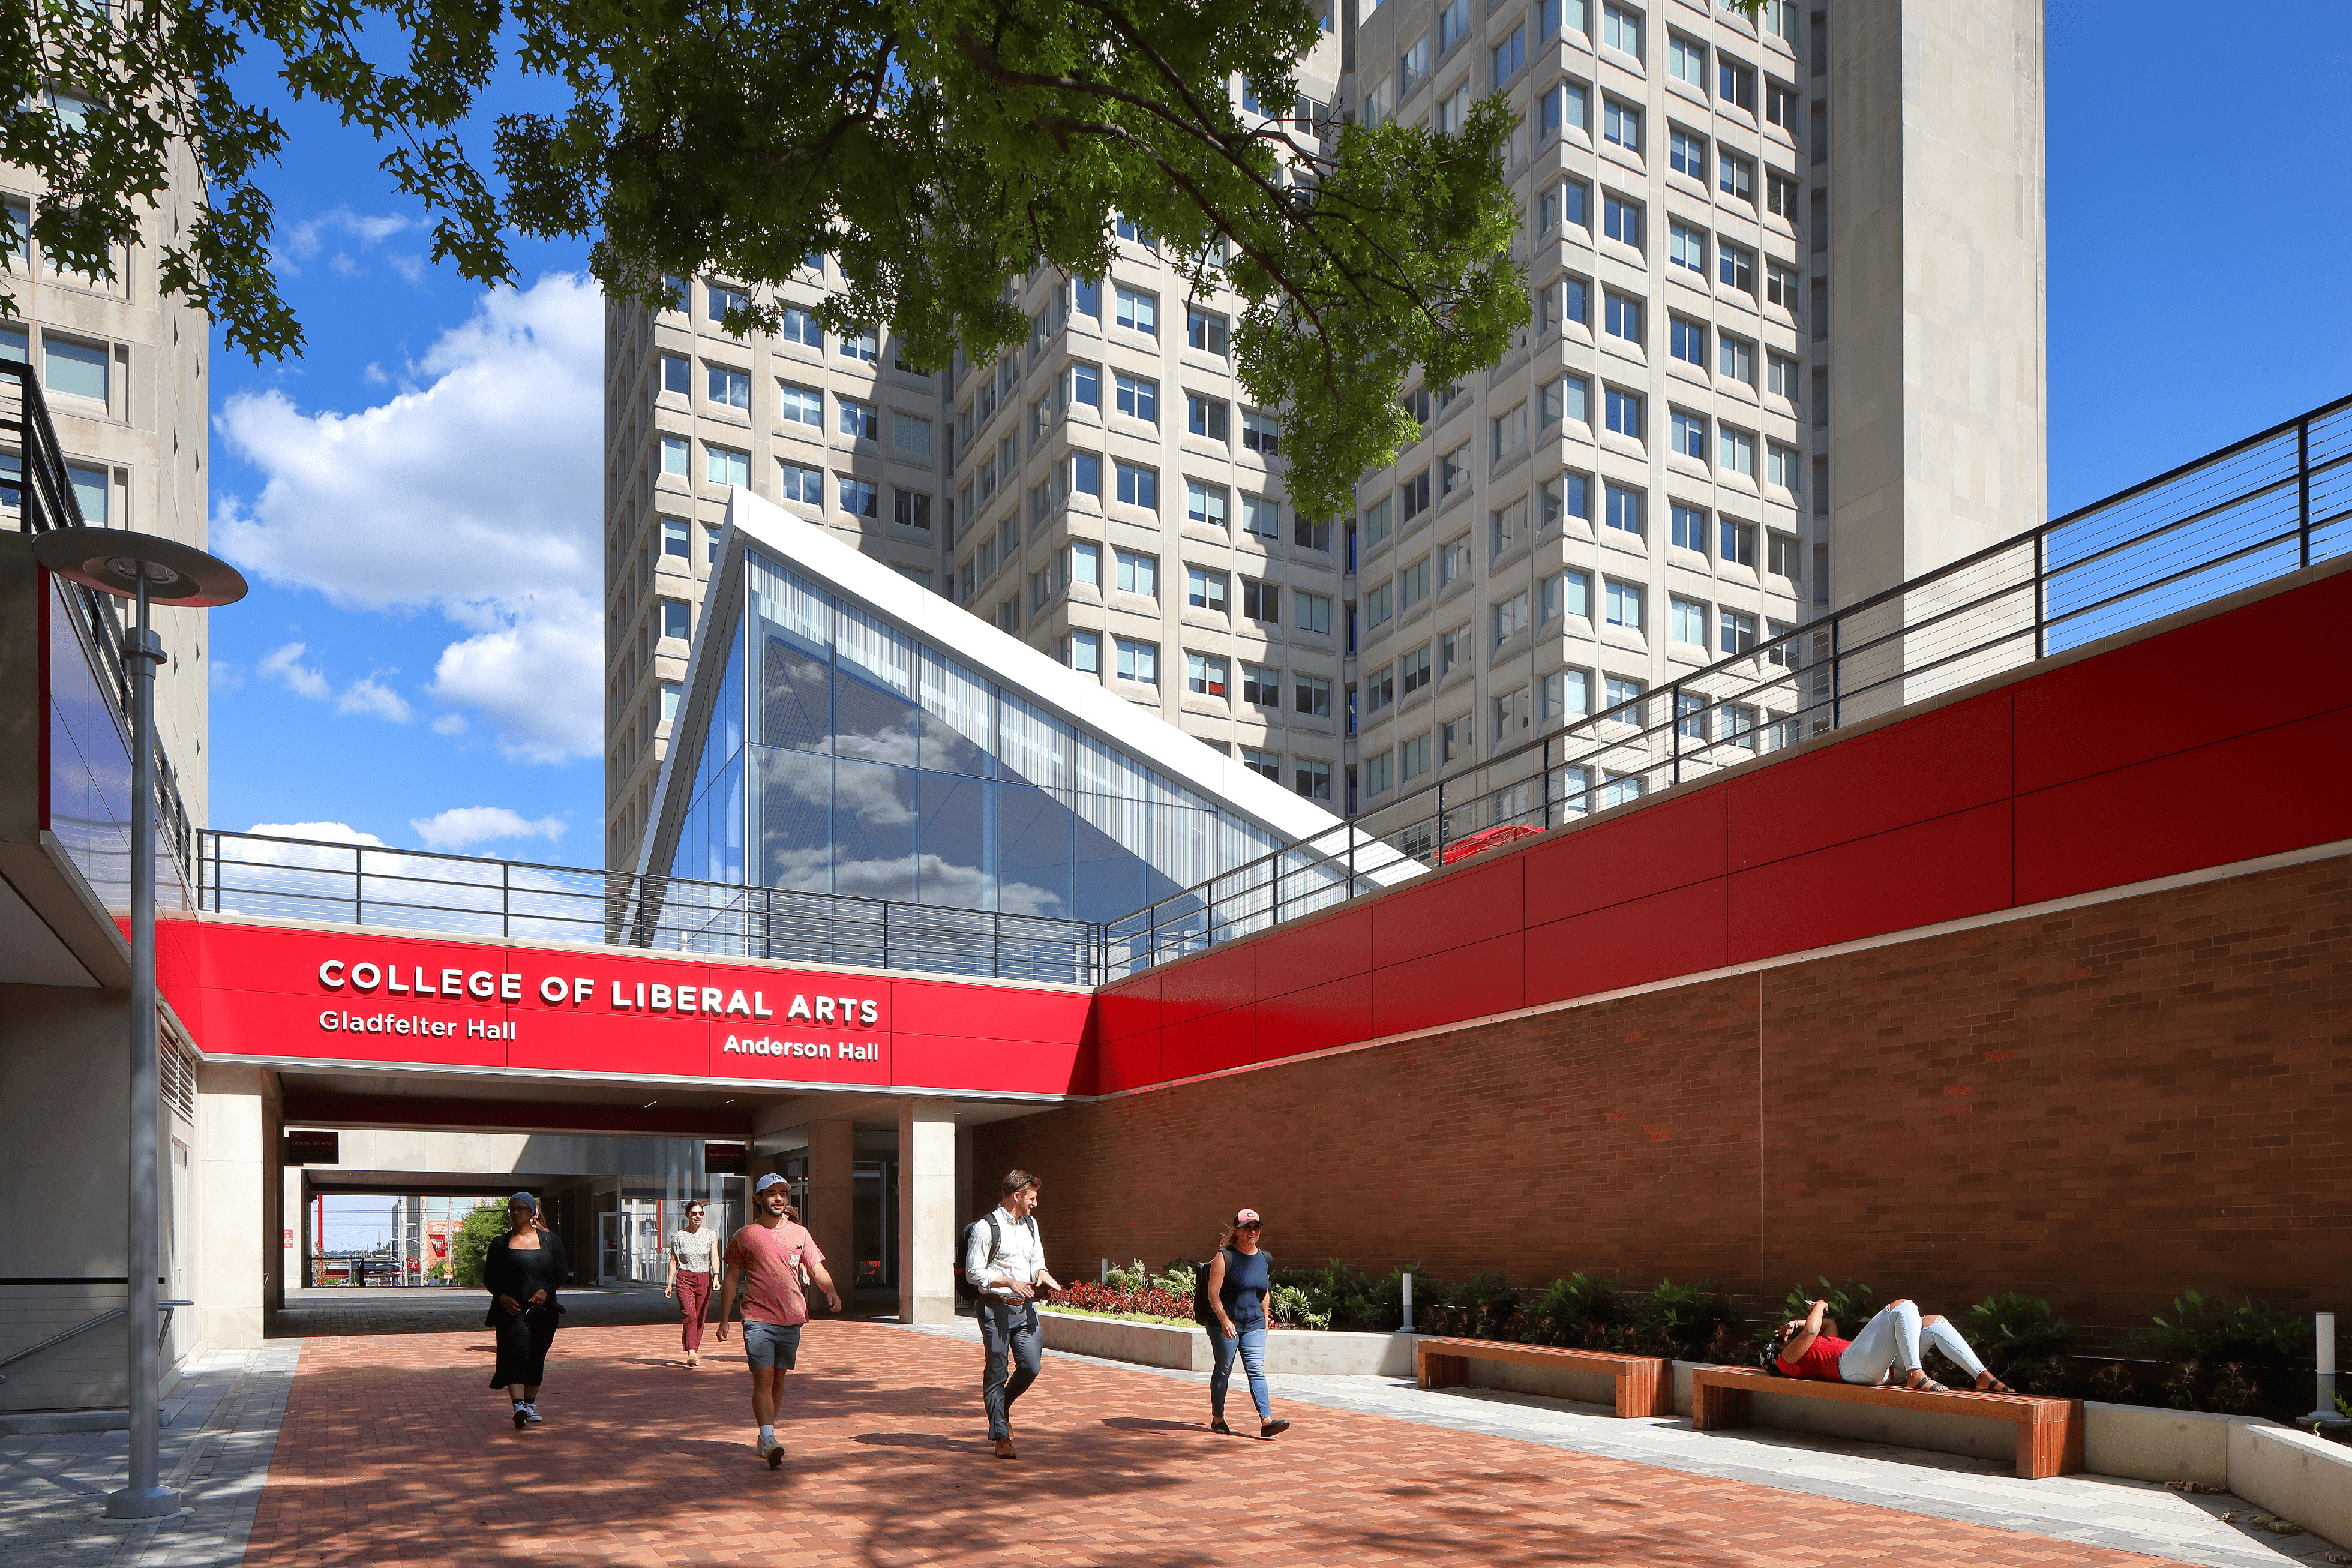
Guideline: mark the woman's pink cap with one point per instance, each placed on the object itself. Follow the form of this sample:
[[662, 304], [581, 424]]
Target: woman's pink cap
[[1247, 1215]]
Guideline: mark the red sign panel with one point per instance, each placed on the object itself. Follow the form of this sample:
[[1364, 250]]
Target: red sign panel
[[265, 993]]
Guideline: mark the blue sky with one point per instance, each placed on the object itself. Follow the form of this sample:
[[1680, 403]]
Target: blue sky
[[417, 497]]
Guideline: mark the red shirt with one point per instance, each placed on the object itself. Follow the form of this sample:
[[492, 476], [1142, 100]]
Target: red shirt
[[772, 1286], [1820, 1361]]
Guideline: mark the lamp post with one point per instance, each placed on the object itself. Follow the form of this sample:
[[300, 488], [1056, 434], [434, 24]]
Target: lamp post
[[145, 568]]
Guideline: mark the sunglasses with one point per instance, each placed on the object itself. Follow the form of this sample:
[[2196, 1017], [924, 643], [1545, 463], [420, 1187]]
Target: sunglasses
[[1253, 1224]]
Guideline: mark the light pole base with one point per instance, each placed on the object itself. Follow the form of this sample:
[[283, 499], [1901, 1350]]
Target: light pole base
[[150, 1502], [2330, 1418]]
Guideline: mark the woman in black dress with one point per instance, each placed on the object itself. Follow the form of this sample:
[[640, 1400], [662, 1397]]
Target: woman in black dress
[[521, 1271]]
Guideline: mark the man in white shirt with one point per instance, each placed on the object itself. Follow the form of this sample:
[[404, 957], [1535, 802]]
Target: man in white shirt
[[1005, 1261]]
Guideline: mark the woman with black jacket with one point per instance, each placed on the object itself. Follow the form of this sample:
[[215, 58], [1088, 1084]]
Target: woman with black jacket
[[521, 1271]]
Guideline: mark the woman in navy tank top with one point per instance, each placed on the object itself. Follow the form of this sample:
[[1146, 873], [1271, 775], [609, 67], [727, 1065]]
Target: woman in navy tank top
[[1239, 1278]]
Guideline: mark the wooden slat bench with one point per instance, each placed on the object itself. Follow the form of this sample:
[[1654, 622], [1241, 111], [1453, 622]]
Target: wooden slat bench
[[1645, 1384], [2049, 1431]]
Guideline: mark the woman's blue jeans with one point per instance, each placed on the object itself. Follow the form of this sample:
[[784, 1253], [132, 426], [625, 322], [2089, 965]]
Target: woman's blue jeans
[[1890, 1343], [1250, 1346]]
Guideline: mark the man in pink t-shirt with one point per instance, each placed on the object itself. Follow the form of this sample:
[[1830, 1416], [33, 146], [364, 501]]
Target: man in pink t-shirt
[[765, 1259]]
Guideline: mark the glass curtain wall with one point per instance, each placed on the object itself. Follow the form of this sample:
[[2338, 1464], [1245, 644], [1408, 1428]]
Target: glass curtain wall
[[843, 757]]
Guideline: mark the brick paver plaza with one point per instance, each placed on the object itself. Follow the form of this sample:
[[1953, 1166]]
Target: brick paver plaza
[[393, 1450]]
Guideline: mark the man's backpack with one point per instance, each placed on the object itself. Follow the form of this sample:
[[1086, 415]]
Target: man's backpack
[[965, 1289], [1204, 1313]]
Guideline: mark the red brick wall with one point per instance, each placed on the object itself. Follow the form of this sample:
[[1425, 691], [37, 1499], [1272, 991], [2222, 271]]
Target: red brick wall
[[2101, 1107]]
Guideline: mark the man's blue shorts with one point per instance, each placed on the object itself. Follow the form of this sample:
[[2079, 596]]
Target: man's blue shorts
[[770, 1345]]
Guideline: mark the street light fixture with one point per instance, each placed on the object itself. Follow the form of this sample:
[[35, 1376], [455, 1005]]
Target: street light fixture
[[145, 568]]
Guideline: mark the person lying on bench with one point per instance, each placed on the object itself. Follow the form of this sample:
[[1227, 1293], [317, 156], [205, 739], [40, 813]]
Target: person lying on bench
[[1888, 1342]]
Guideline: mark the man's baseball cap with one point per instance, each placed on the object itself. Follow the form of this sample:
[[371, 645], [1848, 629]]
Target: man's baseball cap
[[765, 1182]]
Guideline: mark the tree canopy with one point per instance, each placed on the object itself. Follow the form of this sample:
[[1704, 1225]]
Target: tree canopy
[[937, 148]]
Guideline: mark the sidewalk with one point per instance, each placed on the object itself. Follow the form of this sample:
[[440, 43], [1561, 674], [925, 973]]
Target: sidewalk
[[225, 1418]]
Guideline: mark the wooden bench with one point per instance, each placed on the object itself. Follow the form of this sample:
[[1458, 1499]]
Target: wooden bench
[[1645, 1384], [2049, 1431]]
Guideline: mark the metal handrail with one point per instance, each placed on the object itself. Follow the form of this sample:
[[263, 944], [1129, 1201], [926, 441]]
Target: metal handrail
[[99, 1321], [426, 891], [2043, 592]]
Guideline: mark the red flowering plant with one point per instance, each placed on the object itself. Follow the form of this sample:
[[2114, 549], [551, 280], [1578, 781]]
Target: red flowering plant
[[1150, 1301]]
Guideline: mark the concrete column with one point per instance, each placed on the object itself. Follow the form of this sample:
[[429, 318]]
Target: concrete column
[[967, 1203], [274, 1251], [927, 1212], [294, 1216], [231, 1206], [832, 1197]]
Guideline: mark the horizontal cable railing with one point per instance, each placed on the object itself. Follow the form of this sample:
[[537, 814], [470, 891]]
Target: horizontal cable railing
[[270, 878], [2269, 506]]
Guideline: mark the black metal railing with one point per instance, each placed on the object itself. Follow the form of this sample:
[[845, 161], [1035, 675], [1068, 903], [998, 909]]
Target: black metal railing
[[36, 497], [2269, 506], [366, 885]]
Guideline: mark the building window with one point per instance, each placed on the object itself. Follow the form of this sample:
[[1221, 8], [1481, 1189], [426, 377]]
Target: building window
[[1510, 718], [1567, 106], [1687, 247], [1785, 554], [1412, 584], [1781, 196], [859, 498], [911, 509], [1686, 620], [1510, 55], [1621, 219], [1413, 756], [669, 695], [1314, 780], [1204, 675], [1735, 176], [674, 374], [674, 538], [1567, 594], [1510, 618], [1780, 378], [1138, 662], [1139, 574], [1735, 267], [721, 299], [1570, 397], [1086, 474], [857, 420], [1412, 671], [1509, 432], [1686, 340], [1621, 124], [1205, 590], [1082, 651], [1085, 564], [805, 486], [1138, 312], [1260, 433], [1738, 540], [1624, 699], [1261, 685], [1453, 650], [725, 466], [1312, 612], [1622, 318], [1689, 525], [1454, 470], [1739, 631], [1686, 61], [1622, 603], [1621, 30], [1686, 153], [1624, 510], [1453, 24], [861, 344], [1781, 287], [1689, 435], [1139, 486], [911, 435], [1379, 603], [1264, 763], [1780, 467], [1454, 561], [1738, 451], [1311, 694], [1412, 499], [1566, 693], [1738, 360], [1379, 688], [800, 406], [1138, 398], [676, 620], [1567, 496], [1205, 332], [1262, 518], [1379, 774], [729, 389], [800, 326], [1204, 416], [1085, 386], [1624, 412], [1454, 739]]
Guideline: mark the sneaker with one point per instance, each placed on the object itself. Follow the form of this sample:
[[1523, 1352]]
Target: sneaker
[[1004, 1448], [775, 1455], [521, 1415], [530, 1409], [1219, 1427], [1273, 1429]]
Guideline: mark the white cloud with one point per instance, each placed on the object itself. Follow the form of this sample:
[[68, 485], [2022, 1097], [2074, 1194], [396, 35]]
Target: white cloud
[[369, 695], [460, 826], [284, 666], [449, 724], [475, 492], [336, 233], [333, 832]]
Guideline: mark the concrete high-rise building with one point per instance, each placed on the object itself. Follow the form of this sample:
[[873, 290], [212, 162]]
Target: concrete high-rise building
[[1787, 350], [836, 429], [121, 370]]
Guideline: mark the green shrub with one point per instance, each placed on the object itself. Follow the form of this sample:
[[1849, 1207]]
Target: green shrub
[[1581, 1312], [485, 1225], [1350, 1299], [1483, 1306], [2026, 1344], [1852, 1305], [1691, 1322], [2255, 1333], [1289, 1304]]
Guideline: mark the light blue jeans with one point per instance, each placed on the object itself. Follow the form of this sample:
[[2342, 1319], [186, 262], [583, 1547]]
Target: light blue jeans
[[1890, 1341], [1250, 1346]]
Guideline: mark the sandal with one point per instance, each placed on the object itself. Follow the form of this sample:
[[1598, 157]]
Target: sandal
[[1926, 1386], [1996, 1387]]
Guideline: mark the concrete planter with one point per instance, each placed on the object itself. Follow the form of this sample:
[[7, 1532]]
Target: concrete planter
[[2293, 1475], [1299, 1353]]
